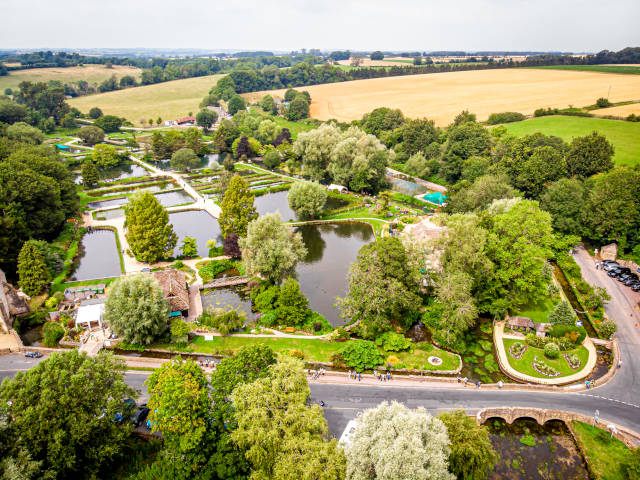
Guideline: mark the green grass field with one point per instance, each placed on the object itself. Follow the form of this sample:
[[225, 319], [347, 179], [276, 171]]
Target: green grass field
[[168, 100], [538, 313], [625, 136], [606, 456], [626, 69], [93, 74], [560, 364]]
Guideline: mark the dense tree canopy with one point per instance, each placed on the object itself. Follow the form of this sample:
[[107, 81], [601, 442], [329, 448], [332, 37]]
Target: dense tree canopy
[[237, 208], [392, 442], [383, 291], [564, 200], [148, 231], [184, 159], [589, 155], [136, 309], [307, 199], [32, 270], [271, 248], [51, 417], [91, 135]]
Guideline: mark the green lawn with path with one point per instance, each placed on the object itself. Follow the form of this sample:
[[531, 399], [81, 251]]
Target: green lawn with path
[[625, 136], [560, 364], [539, 313], [606, 456], [315, 350]]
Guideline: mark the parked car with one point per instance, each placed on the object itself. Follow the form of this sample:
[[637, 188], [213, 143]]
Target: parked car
[[140, 415], [610, 266], [623, 276], [631, 279], [614, 272], [32, 354], [636, 287]]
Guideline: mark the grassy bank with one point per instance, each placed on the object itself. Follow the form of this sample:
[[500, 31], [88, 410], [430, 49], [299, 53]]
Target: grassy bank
[[625, 136], [606, 456]]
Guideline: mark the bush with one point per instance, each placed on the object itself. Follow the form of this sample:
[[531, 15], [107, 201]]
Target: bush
[[51, 302], [317, 323], [180, 328], [393, 342], [295, 353], [603, 102], [505, 117], [574, 360], [562, 314], [361, 355], [269, 319], [223, 320], [214, 267], [52, 333], [517, 349], [551, 350], [340, 334], [266, 300], [574, 334], [535, 341], [607, 328]]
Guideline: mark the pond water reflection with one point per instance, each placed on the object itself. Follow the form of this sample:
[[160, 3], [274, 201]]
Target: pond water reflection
[[97, 257], [235, 297], [197, 224], [331, 249]]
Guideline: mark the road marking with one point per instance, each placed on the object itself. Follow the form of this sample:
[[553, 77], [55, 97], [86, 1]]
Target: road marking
[[609, 399]]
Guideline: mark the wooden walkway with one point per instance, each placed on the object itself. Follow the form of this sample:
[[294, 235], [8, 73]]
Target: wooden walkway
[[225, 282]]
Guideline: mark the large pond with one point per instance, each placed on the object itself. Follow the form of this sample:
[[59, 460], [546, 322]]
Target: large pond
[[212, 161], [97, 257], [123, 171], [278, 201], [332, 248], [527, 450], [167, 199], [197, 224]]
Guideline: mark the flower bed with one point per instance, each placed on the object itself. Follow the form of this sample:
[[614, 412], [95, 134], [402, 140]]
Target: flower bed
[[544, 369], [573, 360], [517, 350]]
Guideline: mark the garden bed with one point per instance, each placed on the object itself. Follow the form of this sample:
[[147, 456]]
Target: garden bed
[[525, 363]]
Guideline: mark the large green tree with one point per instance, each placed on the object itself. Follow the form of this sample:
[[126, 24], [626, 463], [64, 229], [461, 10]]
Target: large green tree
[[184, 159], [484, 190], [63, 410], [148, 231], [25, 133], [237, 208], [32, 270], [465, 140], [106, 156], [589, 155], [90, 175], [292, 305], [383, 289], [564, 200], [282, 437], [307, 199], [205, 118], [472, 456], [136, 309], [271, 248], [91, 135], [391, 442], [236, 104]]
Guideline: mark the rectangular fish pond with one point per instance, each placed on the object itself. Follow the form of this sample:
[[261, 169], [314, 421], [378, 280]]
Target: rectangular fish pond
[[97, 257], [166, 199], [197, 224]]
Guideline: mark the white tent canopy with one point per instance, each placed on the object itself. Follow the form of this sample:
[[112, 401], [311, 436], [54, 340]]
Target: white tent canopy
[[88, 314], [338, 188]]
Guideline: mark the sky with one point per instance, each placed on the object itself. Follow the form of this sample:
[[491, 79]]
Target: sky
[[513, 25]]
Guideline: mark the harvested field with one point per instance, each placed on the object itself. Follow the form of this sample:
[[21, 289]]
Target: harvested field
[[93, 74], [168, 100], [625, 136], [441, 96], [621, 111]]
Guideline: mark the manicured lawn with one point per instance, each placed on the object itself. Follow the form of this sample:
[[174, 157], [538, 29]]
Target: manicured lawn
[[294, 127], [538, 313], [60, 287], [523, 365], [319, 350], [606, 456], [625, 136]]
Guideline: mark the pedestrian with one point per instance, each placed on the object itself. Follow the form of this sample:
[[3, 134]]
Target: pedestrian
[[619, 363], [388, 375], [359, 376], [478, 384], [587, 384], [459, 379], [500, 384]]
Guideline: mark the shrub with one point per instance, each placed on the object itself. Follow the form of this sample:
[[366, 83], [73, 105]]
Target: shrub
[[214, 267], [295, 353], [545, 369], [564, 344], [223, 320], [528, 440], [52, 333], [269, 319], [607, 328], [603, 102], [266, 301], [180, 329], [574, 334], [51, 302], [517, 349], [361, 355], [551, 350], [393, 342], [505, 117], [535, 341], [340, 334], [573, 360], [562, 314], [316, 322], [583, 287]]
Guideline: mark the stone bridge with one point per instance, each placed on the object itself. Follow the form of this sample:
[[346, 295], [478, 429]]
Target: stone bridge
[[543, 415], [225, 282]]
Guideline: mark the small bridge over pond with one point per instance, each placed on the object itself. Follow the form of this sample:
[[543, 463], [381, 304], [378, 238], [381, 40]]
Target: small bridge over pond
[[225, 282]]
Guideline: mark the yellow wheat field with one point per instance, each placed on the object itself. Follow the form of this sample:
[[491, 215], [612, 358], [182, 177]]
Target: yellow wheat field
[[441, 96], [621, 111]]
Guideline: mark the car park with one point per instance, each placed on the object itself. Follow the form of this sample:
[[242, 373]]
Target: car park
[[610, 266]]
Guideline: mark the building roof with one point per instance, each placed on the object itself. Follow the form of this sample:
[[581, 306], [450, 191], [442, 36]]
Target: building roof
[[90, 313], [174, 285], [521, 322], [185, 120]]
